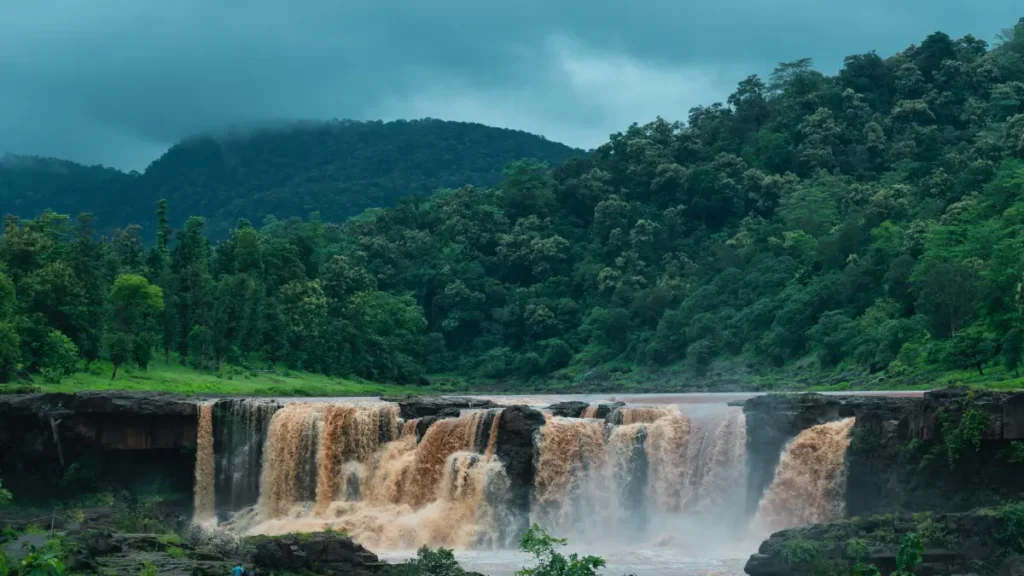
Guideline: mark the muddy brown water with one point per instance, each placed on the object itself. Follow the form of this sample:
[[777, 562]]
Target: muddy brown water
[[685, 525]]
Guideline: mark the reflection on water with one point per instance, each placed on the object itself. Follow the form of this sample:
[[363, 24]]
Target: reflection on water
[[640, 561]]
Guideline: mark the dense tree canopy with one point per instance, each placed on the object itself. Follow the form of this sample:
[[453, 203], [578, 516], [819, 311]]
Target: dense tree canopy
[[871, 219], [338, 168]]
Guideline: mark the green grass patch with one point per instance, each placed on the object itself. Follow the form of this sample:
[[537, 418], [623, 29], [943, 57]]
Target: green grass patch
[[229, 381]]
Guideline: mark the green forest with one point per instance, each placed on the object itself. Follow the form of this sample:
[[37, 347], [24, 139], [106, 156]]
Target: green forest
[[870, 222], [337, 168]]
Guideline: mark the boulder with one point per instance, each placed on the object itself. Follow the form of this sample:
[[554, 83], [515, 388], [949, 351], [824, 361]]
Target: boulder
[[517, 435], [953, 544], [605, 410], [570, 409], [420, 406], [327, 553], [575, 408]]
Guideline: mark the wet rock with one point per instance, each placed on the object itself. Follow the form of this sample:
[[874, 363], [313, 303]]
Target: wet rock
[[575, 409], [1012, 566], [605, 410], [326, 553], [123, 435], [98, 402], [894, 462], [420, 406], [961, 544], [570, 409], [517, 435]]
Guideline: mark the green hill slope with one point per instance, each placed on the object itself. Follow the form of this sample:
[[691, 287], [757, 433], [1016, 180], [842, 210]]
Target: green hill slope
[[338, 168], [865, 228]]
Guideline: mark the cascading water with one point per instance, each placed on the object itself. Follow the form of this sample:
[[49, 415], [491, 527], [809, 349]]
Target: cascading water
[[358, 469], [658, 480], [809, 480], [651, 471], [240, 431], [205, 504]]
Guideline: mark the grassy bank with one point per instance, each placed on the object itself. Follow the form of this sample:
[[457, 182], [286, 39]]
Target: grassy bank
[[610, 378], [229, 381]]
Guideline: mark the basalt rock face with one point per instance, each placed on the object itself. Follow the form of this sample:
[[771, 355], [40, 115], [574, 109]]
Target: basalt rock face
[[570, 409], [318, 553], [515, 448], [775, 419], [925, 458], [576, 409], [971, 543], [131, 438], [421, 406], [898, 459]]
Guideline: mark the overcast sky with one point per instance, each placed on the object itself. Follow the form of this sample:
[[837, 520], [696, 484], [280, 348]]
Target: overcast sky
[[117, 81]]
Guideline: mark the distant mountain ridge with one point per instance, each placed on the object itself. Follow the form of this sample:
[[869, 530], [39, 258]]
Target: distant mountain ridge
[[339, 168]]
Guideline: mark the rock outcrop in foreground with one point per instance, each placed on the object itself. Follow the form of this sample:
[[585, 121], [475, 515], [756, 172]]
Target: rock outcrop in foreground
[[973, 543], [327, 553]]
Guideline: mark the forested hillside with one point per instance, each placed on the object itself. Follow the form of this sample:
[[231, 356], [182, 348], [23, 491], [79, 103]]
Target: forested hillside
[[868, 221], [338, 168]]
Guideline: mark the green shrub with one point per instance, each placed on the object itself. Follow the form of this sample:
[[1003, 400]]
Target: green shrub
[[42, 563], [800, 551], [914, 446], [862, 569], [857, 549], [557, 354], [60, 357], [1016, 451], [931, 531], [549, 562], [148, 569], [964, 437], [1011, 534], [440, 562], [5, 495], [909, 555]]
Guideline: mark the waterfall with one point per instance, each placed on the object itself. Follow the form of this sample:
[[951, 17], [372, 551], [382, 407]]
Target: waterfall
[[640, 414], [240, 431], [642, 475], [205, 504], [809, 481], [650, 472], [359, 469]]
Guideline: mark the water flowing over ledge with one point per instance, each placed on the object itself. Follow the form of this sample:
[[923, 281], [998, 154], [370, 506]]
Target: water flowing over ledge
[[658, 477], [669, 476]]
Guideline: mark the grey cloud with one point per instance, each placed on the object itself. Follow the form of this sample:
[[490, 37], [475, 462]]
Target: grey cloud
[[116, 81]]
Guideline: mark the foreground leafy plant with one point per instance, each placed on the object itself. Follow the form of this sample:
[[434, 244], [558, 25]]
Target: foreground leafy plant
[[909, 555], [549, 562], [42, 564]]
